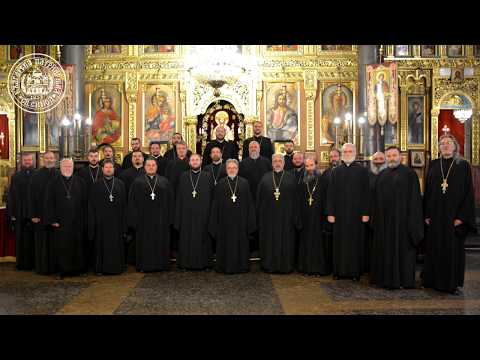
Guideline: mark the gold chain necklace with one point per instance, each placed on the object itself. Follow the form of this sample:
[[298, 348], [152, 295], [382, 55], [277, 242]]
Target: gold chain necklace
[[444, 185], [276, 193]]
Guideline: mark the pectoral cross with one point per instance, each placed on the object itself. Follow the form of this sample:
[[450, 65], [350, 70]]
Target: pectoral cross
[[310, 201], [194, 193], [444, 186], [111, 198], [233, 198], [152, 195], [276, 193]]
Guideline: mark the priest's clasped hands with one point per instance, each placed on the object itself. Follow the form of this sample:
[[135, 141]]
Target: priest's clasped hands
[[331, 219]]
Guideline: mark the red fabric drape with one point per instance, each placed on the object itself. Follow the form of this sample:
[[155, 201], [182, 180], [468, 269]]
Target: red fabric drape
[[7, 238], [4, 137], [457, 129]]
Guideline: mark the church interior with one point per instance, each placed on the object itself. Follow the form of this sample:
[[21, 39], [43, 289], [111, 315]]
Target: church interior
[[319, 96]]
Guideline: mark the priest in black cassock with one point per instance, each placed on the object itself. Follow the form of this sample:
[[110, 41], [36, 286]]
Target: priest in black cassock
[[289, 146], [348, 211], [176, 167], [398, 224], [192, 210], [156, 154], [216, 168], [376, 166], [44, 256], [136, 144], [171, 154], [66, 212], [107, 221], [150, 213], [18, 214], [298, 168], [232, 220], [91, 173], [315, 250], [449, 211], [109, 153], [229, 148], [266, 145], [278, 217]]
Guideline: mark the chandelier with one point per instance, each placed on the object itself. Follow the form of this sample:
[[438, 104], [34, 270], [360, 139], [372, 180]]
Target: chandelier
[[462, 115], [215, 65]]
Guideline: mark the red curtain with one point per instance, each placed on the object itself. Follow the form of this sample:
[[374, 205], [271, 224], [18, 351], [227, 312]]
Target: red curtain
[[457, 129], [7, 238], [4, 137]]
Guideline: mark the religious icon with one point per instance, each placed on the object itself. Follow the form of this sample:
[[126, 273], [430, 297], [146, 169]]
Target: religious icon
[[106, 125], [221, 119], [329, 47], [16, 52], [4, 140], [402, 50], [427, 50], [159, 110], [476, 50], [454, 50], [115, 49], [417, 158], [457, 75], [390, 131], [382, 93], [281, 48], [41, 49], [336, 47], [282, 113], [30, 129], [416, 113], [150, 49], [336, 102]]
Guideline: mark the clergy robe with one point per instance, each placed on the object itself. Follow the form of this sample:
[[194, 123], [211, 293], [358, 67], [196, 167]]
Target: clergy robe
[[151, 220], [90, 175], [44, 255], [128, 176], [118, 168], [229, 150], [444, 266], [348, 201], [127, 160], [171, 154], [217, 171], [314, 248], [191, 220], [398, 227], [253, 170], [372, 178], [298, 172], [107, 223], [17, 207], [266, 147], [70, 213], [174, 169], [231, 223], [161, 164], [288, 161], [277, 221]]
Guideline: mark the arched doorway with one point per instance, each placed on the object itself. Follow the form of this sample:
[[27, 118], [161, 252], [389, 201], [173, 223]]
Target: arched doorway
[[220, 113]]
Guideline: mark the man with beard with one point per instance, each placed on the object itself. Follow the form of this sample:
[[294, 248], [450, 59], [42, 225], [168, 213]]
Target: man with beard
[[192, 210], [155, 153], [232, 220], [298, 168], [171, 154], [278, 217], [348, 211], [91, 173], [253, 168], [150, 214], [109, 153], [107, 221], [315, 253], [18, 214], [449, 211], [44, 256], [228, 148], [288, 154], [66, 208], [376, 166], [177, 166], [265, 144], [217, 167], [397, 223], [136, 146]]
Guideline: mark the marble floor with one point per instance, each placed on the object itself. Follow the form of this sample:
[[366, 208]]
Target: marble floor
[[177, 292]]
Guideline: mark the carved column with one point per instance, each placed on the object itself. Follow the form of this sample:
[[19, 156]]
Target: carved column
[[310, 83], [131, 90], [434, 134], [191, 132], [249, 126], [476, 139], [75, 54]]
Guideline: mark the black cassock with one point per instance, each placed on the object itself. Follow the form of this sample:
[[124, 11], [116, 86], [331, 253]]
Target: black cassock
[[315, 250], [277, 221], [90, 175], [327, 227], [398, 228], [151, 220], [372, 178], [128, 176], [171, 154], [217, 171], [288, 161], [127, 160], [174, 169], [107, 223], [253, 170], [66, 204], [229, 150], [117, 167], [266, 147], [191, 220], [348, 200], [18, 207], [161, 164], [44, 255], [231, 223], [445, 244]]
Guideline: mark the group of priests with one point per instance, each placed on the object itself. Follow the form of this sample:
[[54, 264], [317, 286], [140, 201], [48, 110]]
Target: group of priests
[[218, 212]]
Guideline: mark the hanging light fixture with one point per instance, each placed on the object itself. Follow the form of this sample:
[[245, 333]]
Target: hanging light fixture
[[463, 115]]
